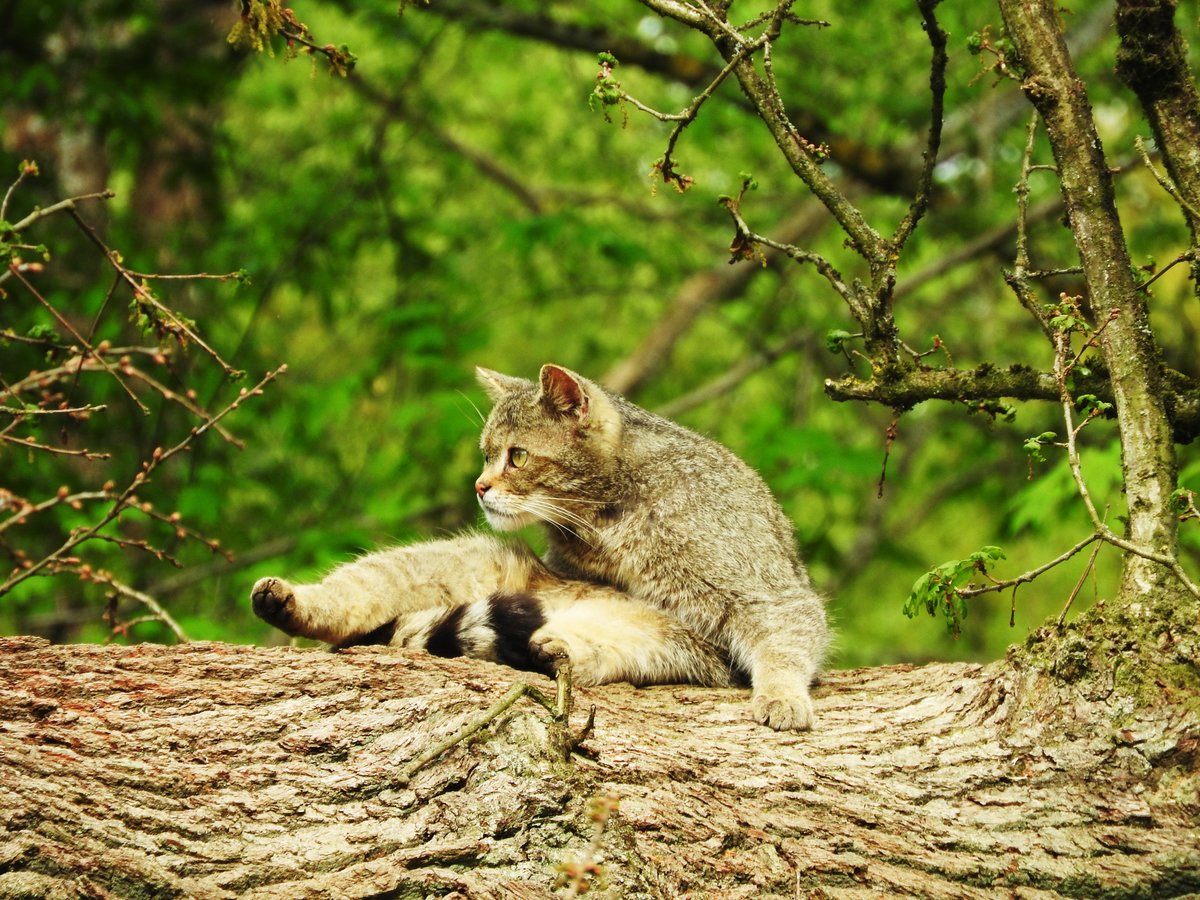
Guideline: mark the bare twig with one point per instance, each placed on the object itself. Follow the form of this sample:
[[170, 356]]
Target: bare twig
[[126, 499], [559, 709], [937, 89], [68, 205], [497, 709], [158, 613], [47, 448], [88, 349], [1102, 531], [175, 325], [1062, 616], [1186, 256], [1164, 182]]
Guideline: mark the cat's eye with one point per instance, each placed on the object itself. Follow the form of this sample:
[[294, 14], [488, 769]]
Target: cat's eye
[[517, 457]]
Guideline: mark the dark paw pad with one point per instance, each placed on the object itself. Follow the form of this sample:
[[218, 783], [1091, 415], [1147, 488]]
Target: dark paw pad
[[274, 601]]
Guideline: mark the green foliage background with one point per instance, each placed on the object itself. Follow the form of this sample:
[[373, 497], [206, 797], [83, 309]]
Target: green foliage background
[[455, 202]]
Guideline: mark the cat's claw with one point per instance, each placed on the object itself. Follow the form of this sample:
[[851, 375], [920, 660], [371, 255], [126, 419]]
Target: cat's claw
[[274, 601], [549, 651]]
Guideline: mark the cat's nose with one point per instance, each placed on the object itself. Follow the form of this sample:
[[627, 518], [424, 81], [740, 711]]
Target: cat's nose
[[482, 487]]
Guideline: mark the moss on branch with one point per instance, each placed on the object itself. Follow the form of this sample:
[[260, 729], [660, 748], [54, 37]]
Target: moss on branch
[[903, 388]]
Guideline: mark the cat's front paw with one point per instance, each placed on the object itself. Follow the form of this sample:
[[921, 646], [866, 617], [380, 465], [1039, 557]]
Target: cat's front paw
[[274, 602], [783, 710]]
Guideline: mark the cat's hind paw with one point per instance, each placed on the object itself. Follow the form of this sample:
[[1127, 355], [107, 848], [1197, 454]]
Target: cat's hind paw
[[549, 652], [791, 711], [274, 602]]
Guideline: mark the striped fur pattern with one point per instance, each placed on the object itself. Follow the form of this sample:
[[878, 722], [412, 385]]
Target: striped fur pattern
[[670, 517], [668, 560], [487, 598]]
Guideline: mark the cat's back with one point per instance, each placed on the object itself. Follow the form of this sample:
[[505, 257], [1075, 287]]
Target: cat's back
[[673, 461], [701, 497]]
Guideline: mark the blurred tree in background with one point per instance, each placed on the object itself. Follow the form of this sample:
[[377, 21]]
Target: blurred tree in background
[[455, 200]]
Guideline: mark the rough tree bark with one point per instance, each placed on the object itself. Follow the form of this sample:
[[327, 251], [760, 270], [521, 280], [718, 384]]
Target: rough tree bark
[[213, 770]]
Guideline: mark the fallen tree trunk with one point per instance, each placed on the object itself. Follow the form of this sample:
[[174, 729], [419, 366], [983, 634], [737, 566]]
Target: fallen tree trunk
[[214, 770]]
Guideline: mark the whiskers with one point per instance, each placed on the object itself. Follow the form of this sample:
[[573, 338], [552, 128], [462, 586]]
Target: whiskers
[[551, 509], [566, 499], [482, 417]]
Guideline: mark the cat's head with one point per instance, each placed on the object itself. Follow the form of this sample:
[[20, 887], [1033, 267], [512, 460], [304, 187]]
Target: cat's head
[[548, 449]]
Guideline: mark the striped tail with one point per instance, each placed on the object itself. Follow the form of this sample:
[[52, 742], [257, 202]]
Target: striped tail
[[497, 628]]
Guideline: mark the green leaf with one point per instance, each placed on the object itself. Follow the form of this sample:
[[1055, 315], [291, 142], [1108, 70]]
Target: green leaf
[[836, 339]]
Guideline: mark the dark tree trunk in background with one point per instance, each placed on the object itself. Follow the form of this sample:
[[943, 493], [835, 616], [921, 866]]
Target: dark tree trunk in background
[[213, 770]]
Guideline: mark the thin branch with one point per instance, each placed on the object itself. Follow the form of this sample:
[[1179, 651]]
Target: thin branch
[[764, 96], [937, 88], [1029, 576], [1187, 256], [181, 399], [67, 205], [559, 709], [1062, 616], [125, 499], [178, 326], [29, 509], [48, 448], [1170, 561], [858, 308], [685, 118], [1018, 278], [75, 410], [158, 613], [69, 368], [88, 349], [27, 169]]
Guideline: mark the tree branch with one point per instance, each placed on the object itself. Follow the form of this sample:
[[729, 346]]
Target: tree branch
[[904, 389], [937, 90], [1128, 345], [117, 761]]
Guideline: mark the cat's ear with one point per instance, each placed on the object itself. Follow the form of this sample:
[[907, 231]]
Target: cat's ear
[[566, 394], [497, 385], [563, 391]]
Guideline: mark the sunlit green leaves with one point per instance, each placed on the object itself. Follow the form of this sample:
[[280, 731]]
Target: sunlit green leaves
[[937, 592]]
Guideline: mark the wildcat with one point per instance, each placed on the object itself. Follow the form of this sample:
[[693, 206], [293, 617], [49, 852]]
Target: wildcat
[[668, 559]]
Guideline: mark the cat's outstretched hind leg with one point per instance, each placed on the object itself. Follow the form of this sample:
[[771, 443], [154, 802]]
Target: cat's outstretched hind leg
[[375, 598]]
